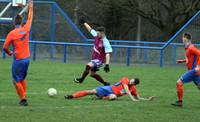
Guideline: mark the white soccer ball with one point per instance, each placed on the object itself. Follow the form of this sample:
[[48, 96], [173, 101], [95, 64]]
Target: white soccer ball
[[52, 92]]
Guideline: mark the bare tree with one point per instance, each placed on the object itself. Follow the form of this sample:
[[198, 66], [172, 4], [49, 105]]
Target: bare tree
[[167, 15]]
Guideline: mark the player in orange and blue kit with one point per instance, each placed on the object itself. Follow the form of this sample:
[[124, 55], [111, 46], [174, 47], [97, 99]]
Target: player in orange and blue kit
[[192, 60], [124, 87], [19, 39]]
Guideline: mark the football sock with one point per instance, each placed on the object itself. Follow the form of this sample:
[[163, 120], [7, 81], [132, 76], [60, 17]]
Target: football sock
[[179, 87], [24, 85], [86, 72], [80, 94], [20, 91], [98, 78]]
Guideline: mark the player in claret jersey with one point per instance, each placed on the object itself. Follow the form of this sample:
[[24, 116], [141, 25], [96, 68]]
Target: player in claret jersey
[[100, 54], [192, 60], [124, 87], [19, 39]]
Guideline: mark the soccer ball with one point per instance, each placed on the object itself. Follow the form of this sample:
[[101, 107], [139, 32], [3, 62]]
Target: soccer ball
[[52, 92]]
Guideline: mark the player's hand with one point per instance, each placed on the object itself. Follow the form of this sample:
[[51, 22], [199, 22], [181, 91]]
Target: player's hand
[[135, 100], [30, 3], [151, 98], [10, 53], [197, 69], [106, 68], [82, 19]]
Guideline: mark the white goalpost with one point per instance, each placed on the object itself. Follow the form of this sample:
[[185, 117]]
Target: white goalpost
[[13, 3]]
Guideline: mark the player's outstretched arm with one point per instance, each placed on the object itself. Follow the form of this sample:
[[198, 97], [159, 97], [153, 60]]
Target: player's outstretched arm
[[30, 15], [82, 21], [7, 44], [145, 99], [129, 93]]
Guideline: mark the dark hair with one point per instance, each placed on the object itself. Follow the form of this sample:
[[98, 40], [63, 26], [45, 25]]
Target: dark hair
[[101, 29], [187, 36], [137, 81], [18, 19]]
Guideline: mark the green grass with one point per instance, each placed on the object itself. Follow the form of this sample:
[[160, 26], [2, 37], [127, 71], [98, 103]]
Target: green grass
[[156, 81]]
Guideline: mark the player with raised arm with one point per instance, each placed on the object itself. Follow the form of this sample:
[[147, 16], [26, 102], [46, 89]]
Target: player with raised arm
[[124, 87], [100, 55], [192, 60], [19, 39]]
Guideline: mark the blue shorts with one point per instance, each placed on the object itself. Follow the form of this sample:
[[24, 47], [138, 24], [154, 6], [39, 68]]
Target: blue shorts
[[20, 69], [97, 64], [104, 91], [190, 76]]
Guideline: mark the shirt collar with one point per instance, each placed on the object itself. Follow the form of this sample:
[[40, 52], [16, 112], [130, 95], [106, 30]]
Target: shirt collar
[[188, 44], [18, 26]]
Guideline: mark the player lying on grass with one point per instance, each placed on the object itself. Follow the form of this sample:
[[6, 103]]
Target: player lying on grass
[[125, 86], [100, 54], [192, 55], [19, 39]]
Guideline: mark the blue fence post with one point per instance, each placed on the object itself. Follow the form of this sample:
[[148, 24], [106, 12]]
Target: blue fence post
[[34, 52], [3, 54], [174, 54], [52, 30], [128, 54], [65, 54], [161, 58], [145, 58], [86, 51]]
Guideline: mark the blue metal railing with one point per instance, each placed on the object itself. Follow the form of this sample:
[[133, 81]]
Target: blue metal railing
[[127, 47]]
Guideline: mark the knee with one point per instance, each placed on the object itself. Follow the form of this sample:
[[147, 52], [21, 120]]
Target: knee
[[179, 82], [87, 68], [91, 92]]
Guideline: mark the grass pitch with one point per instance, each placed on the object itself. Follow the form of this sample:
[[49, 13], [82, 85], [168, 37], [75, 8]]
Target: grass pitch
[[159, 82]]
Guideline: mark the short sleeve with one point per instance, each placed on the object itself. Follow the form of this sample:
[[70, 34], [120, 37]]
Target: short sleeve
[[93, 32], [107, 46], [125, 81], [133, 91]]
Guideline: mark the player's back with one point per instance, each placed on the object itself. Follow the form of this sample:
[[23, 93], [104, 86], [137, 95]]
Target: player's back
[[118, 88], [20, 42]]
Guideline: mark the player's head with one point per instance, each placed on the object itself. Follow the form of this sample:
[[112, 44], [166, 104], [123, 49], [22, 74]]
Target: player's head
[[187, 37], [101, 32], [18, 20], [135, 81]]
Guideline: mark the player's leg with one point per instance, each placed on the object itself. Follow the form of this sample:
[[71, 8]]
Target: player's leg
[[81, 94], [23, 82], [99, 78], [18, 74], [20, 90], [85, 73], [197, 81], [186, 78], [96, 65]]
